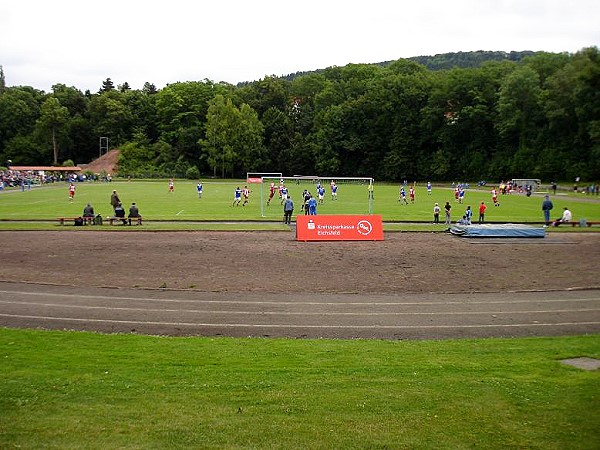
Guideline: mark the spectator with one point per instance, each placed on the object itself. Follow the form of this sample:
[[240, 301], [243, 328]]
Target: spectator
[[566, 217], [120, 213], [134, 212], [546, 207]]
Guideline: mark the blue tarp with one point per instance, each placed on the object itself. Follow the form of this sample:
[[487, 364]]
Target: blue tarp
[[510, 230]]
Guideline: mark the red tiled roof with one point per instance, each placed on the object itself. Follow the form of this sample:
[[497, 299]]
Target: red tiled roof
[[46, 168]]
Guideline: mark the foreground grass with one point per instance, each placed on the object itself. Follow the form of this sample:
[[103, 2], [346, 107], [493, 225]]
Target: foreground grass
[[82, 390]]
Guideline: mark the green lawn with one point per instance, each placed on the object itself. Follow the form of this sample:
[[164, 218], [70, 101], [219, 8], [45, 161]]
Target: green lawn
[[83, 390], [156, 203]]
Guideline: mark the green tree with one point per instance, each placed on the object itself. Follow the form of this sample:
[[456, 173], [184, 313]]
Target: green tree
[[51, 123], [234, 137]]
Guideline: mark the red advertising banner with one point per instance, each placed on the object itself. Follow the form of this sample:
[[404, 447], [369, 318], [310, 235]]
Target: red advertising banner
[[339, 228]]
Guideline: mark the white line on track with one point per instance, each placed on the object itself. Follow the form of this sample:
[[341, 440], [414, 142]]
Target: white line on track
[[300, 302], [289, 313], [240, 325]]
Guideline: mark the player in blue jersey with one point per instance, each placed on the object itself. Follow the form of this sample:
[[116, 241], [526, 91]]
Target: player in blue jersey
[[321, 194], [199, 189], [237, 197], [402, 196], [334, 191], [284, 193], [429, 188]]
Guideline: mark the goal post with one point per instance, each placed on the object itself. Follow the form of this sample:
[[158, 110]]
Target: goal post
[[352, 195]]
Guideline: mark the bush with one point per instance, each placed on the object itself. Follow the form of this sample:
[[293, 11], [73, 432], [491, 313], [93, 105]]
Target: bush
[[192, 173]]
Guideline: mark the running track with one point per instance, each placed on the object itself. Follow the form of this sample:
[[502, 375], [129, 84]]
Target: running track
[[347, 316]]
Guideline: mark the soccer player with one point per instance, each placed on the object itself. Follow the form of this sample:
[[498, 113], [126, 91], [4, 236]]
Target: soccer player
[[333, 191], [495, 197], [402, 195], [284, 193], [199, 189], [171, 185], [429, 188], [237, 197], [461, 196], [411, 194], [321, 194], [271, 193], [71, 191], [246, 195]]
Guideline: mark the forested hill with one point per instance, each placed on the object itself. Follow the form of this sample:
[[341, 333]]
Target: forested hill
[[447, 61], [466, 60]]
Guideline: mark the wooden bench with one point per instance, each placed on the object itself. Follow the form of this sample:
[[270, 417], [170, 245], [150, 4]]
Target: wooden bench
[[86, 220], [589, 224], [129, 220]]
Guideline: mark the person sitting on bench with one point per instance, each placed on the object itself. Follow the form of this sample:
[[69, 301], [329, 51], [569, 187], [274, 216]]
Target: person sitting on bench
[[134, 212], [88, 212], [120, 213], [566, 217]]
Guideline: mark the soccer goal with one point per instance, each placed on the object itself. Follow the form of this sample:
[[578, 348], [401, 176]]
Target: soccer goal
[[339, 195]]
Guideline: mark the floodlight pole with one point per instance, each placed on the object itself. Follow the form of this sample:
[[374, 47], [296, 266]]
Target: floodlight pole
[[103, 144]]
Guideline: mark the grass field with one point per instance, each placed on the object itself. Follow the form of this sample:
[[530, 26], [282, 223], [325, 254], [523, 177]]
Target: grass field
[[157, 204], [84, 390]]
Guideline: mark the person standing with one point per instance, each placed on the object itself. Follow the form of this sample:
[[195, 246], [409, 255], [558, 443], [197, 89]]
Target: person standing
[[448, 208], [114, 200], [468, 215], [436, 214], [482, 209], [288, 210], [429, 188], [312, 206], [171, 185], [71, 191], [547, 206], [199, 189]]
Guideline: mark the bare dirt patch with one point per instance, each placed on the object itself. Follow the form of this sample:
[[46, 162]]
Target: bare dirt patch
[[274, 262]]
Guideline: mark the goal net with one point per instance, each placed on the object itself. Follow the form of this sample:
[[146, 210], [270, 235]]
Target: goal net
[[338, 195]]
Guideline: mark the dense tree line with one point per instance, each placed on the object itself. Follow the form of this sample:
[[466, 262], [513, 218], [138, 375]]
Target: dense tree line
[[533, 115]]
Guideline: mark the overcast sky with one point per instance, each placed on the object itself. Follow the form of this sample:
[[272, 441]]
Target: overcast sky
[[80, 43]]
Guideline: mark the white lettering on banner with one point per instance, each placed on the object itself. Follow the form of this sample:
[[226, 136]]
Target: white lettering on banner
[[364, 227], [335, 227], [329, 233]]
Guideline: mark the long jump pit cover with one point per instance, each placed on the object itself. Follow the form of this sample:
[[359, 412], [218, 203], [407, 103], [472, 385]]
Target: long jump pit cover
[[508, 230]]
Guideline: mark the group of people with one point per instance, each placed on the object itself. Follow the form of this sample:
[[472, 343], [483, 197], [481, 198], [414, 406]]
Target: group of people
[[466, 218], [119, 210], [547, 206]]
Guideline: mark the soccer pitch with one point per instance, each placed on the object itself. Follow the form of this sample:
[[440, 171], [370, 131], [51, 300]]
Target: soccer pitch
[[157, 203]]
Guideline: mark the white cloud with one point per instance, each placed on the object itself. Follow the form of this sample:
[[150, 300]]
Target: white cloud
[[81, 43]]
